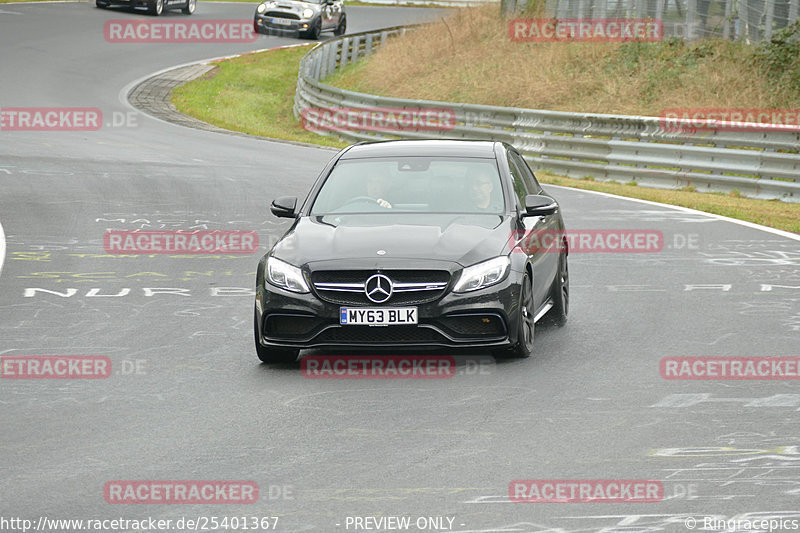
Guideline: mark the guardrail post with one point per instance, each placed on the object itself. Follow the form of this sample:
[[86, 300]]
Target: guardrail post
[[333, 48], [356, 44], [368, 46], [323, 72], [316, 66], [344, 54]]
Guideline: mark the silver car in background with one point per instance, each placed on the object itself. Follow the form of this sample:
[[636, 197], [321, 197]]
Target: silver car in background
[[306, 19]]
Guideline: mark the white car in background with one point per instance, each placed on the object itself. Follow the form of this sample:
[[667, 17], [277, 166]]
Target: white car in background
[[306, 19]]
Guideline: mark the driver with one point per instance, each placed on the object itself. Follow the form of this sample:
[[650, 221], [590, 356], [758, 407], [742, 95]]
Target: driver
[[480, 186], [377, 187]]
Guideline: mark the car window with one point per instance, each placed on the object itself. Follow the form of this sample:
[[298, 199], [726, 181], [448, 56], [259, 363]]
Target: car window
[[411, 184], [520, 189], [527, 174]]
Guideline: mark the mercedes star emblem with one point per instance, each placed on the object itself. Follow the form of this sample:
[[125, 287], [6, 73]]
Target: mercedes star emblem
[[378, 288]]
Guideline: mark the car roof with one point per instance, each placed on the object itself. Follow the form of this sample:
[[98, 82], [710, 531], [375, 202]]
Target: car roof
[[422, 148]]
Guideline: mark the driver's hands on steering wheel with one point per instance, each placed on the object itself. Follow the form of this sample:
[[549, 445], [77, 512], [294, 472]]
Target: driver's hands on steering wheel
[[383, 203]]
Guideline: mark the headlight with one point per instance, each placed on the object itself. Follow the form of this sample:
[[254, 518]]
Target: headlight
[[483, 274], [261, 8], [285, 276], [308, 13]]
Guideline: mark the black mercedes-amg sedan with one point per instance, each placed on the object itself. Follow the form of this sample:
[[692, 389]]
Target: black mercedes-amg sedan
[[414, 244]]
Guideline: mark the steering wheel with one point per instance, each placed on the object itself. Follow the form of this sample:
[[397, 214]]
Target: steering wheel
[[361, 199]]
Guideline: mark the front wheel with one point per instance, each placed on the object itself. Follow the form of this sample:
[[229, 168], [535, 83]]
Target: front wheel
[[342, 27], [156, 7], [525, 328], [271, 355], [190, 7], [101, 5]]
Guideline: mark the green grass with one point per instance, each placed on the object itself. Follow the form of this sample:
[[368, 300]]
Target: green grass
[[772, 213], [254, 94]]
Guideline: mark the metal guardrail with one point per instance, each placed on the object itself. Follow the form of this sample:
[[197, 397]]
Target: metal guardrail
[[759, 164]]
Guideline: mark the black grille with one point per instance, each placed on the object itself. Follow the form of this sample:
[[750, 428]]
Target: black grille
[[281, 15], [359, 298], [360, 276], [397, 276], [379, 335], [290, 326]]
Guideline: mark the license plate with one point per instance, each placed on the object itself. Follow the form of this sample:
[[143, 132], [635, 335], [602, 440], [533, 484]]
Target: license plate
[[377, 316], [282, 22]]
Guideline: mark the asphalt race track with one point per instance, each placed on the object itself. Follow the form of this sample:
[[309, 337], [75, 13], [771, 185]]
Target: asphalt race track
[[187, 398]]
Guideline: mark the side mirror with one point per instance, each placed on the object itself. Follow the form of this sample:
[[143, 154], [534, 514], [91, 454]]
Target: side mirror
[[284, 207], [539, 205]]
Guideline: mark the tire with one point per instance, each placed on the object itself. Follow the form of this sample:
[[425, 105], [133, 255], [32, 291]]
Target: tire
[[314, 32], [101, 5], [525, 325], [342, 27], [560, 294], [156, 7], [271, 355], [191, 5]]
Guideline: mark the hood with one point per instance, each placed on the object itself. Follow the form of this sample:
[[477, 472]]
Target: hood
[[293, 6], [417, 239]]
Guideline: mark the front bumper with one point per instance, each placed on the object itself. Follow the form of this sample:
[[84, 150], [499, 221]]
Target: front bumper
[[131, 3], [266, 24], [484, 318]]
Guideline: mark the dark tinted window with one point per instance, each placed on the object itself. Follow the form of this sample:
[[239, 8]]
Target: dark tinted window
[[527, 174], [411, 184], [520, 189]]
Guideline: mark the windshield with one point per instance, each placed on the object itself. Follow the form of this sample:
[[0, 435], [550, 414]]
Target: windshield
[[411, 184]]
